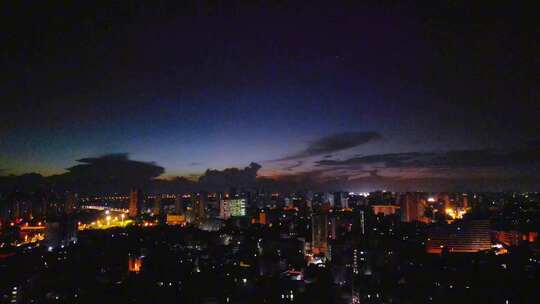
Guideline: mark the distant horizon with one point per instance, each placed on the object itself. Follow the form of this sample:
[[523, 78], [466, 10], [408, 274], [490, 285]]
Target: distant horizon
[[125, 171]]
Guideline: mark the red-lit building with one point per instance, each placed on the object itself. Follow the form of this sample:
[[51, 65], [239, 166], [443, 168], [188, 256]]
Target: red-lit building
[[470, 236], [135, 202], [385, 209]]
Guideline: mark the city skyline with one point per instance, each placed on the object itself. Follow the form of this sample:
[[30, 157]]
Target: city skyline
[[247, 152]]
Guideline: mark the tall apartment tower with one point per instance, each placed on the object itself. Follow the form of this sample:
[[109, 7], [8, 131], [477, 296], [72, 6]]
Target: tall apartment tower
[[178, 206], [409, 207], [157, 209], [199, 207], [319, 233], [135, 202]]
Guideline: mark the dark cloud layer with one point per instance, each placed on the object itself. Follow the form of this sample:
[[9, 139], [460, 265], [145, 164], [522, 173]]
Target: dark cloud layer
[[116, 173], [294, 166], [230, 177], [450, 159], [107, 173], [334, 143], [468, 170]]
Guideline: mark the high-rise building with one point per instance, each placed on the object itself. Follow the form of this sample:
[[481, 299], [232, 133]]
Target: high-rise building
[[135, 202], [232, 207], [60, 232], [465, 201], [262, 217], [362, 223], [341, 200], [410, 207], [469, 236], [134, 263], [319, 233], [178, 206], [328, 198], [238, 207], [157, 208], [71, 203], [332, 225], [175, 219], [224, 209], [385, 209], [199, 208]]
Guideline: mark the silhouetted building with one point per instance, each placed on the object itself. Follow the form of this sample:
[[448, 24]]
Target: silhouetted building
[[158, 207], [178, 205], [411, 207], [71, 203], [60, 232], [340, 200]]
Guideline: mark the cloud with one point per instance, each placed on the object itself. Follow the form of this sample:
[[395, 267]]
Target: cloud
[[481, 169], [294, 166], [108, 173], [390, 159], [334, 143], [195, 164], [230, 177], [453, 159]]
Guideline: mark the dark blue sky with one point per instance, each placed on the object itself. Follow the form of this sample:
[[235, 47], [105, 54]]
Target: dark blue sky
[[220, 86]]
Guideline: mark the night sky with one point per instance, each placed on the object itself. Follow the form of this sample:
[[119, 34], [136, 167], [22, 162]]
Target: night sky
[[395, 96]]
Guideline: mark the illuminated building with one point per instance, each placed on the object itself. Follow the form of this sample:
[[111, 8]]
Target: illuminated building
[[455, 213], [262, 218], [135, 202], [332, 225], [508, 238], [446, 201], [385, 209], [362, 223], [238, 207], [199, 208], [355, 262], [232, 207], [134, 263], [176, 219], [224, 209], [471, 236], [530, 236], [319, 233]]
